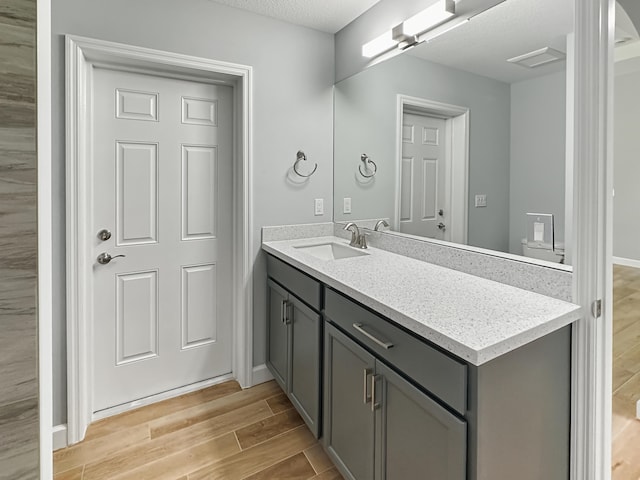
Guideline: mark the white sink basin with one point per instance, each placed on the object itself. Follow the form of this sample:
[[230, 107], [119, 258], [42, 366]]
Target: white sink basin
[[331, 251]]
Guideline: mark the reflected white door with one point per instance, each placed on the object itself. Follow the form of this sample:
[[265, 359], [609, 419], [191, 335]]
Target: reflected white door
[[423, 199], [162, 185]]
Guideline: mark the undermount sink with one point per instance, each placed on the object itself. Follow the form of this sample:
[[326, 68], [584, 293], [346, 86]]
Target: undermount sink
[[331, 251]]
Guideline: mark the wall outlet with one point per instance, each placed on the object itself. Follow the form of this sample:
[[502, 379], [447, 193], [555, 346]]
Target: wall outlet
[[346, 205], [319, 206], [481, 200]]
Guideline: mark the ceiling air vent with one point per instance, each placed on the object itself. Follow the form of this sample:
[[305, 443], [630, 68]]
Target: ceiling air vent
[[538, 58]]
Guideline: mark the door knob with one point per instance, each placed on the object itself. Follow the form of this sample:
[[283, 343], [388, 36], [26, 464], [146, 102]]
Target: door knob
[[104, 234], [105, 258], [442, 226]]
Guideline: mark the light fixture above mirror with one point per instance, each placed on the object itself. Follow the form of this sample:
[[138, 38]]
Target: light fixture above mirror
[[406, 34]]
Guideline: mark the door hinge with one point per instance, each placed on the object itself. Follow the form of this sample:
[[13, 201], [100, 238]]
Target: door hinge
[[596, 308]]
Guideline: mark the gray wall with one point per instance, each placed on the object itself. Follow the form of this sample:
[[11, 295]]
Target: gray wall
[[19, 452], [293, 78], [365, 114], [626, 226], [538, 151]]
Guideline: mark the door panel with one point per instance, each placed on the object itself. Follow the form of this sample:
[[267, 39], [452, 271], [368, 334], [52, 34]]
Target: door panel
[[136, 316], [418, 438], [137, 193], [349, 434], [423, 176], [163, 187], [199, 299], [199, 172]]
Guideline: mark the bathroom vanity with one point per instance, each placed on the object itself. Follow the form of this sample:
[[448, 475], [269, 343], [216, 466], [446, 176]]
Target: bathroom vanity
[[406, 369]]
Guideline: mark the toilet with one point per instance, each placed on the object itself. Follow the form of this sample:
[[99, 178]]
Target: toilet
[[555, 254], [540, 241]]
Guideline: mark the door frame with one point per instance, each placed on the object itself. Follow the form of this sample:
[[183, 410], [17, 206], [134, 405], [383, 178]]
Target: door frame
[[592, 239], [457, 159], [82, 55]]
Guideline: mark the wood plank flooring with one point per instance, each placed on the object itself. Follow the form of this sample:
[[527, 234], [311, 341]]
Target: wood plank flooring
[[625, 462], [222, 432]]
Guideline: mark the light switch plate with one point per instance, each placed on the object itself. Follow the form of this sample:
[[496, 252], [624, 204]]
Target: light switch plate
[[481, 200], [319, 206], [346, 205]]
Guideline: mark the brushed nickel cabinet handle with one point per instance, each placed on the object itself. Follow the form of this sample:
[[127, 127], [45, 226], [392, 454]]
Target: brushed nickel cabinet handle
[[383, 343], [366, 398], [374, 404], [283, 311]]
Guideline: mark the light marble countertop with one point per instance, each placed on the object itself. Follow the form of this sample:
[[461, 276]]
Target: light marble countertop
[[471, 317]]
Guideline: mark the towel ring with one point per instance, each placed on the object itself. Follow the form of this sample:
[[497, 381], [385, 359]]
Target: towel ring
[[366, 160], [300, 156]]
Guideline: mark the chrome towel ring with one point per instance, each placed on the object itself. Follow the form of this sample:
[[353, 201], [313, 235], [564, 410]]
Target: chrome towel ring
[[300, 156], [366, 161]]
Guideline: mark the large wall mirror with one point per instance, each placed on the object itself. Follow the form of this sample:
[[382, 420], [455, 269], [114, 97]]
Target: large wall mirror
[[451, 140]]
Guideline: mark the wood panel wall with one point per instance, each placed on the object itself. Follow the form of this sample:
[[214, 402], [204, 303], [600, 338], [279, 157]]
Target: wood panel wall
[[18, 242]]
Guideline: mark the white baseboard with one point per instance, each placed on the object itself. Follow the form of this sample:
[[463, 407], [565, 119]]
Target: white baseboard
[[59, 437], [638, 410], [261, 374], [627, 262], [159, 397]]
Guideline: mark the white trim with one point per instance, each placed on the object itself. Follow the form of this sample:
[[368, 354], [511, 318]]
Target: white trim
[[261, 374], [176, 392], [592, 235], [627, 262], [458, 174], [45, 238], [638, 409], [59, 437], [82, 54]]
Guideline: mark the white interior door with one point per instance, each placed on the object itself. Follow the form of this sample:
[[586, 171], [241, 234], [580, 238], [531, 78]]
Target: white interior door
[[423, 200], [162, 186]]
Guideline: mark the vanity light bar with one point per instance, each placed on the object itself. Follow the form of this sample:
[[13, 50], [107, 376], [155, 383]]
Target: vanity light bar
[[379, 45], [429, 18], [404, 34]]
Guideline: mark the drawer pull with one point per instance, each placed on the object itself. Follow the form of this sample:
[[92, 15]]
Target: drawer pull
[[366, 398], [384, 344]]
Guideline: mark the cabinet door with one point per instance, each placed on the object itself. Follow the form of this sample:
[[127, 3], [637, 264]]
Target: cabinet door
[[416, 437], [304, 392], [278, 335], [349, 419]]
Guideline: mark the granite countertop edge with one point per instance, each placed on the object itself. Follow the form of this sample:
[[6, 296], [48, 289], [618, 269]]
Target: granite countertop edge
[[352, 276]]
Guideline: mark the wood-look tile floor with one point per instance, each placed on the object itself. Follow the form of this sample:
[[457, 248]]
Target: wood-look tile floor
[[625, 462], [222, 432]]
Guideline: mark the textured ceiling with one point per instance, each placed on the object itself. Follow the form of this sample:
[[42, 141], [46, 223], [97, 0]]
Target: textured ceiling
[[512, 28], [325, 15]]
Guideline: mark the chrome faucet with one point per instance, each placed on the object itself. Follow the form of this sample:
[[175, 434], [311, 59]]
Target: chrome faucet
[[380, 223], [357, 239]]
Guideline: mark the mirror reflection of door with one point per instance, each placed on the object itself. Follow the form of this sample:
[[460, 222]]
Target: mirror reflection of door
[[424, 206]]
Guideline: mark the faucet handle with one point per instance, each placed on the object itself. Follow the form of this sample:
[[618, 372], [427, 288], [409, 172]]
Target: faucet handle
[[363, 240]]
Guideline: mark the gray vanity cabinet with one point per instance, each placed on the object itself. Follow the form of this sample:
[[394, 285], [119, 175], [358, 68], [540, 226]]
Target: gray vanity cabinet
[[349, 420], [294, 337], [379, 426], [278, 335], [418, 438]]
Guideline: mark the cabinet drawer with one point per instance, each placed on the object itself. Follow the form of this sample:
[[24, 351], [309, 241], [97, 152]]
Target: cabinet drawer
[[300, 284], [440, 374]]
